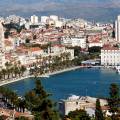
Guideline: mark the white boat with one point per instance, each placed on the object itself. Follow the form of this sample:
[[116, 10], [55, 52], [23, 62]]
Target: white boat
[[46, 76], [118, 69]]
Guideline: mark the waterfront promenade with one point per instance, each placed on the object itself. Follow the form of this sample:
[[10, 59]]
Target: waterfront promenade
[[5, 82]]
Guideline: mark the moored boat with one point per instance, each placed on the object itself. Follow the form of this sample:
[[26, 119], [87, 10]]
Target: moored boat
[[118, 69]]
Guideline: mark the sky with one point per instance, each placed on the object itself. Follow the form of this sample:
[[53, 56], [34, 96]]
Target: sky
[[88, 9]]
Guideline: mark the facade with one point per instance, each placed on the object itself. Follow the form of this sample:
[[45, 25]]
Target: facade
[[2, 46], [76, 41], [110, 56], [54, 17], [34, 19], [117, 28], [58, 24], [76, 102], [44, 19], [97, 44]]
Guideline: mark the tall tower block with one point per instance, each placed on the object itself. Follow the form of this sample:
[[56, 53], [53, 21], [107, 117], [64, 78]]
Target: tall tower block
[[117, 29], [2, 47]]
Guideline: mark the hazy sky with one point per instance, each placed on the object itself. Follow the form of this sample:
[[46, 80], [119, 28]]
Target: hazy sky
[[68, 8]]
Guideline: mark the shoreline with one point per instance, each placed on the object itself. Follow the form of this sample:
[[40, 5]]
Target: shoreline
[[5, 82]]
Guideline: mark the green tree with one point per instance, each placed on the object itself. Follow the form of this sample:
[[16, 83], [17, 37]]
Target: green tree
[[1, 117], [22, 69], [4, 73], [39, 104], [98, 111], [94, 49], [78, 115], [16, 70], [113, 101]]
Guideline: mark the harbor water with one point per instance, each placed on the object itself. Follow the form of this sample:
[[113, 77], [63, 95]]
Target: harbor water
[[84, 82]]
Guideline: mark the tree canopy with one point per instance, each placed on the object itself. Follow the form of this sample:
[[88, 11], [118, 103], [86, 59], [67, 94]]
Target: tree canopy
[[38, 102], [78, 115]]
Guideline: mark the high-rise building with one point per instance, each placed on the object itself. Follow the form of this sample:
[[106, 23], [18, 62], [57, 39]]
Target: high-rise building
[[1, 37], [34, 19], [44, 19], [2, 46], [54, 17], [117, 29]]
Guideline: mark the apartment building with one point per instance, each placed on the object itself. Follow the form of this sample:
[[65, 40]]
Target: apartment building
[[110, 56]]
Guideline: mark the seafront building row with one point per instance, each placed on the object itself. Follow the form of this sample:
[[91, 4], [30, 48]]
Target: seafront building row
[[26, 40], [40, 42]]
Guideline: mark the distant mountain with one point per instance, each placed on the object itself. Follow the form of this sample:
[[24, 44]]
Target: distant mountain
[[100, 10]]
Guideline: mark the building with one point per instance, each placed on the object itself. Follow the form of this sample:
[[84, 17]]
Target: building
[[34, 19], [2, 46], [58, 24], [75, 41], [44, 19], [117, 28], [110, 56], [95, 44], [54, 17], [76, 102]]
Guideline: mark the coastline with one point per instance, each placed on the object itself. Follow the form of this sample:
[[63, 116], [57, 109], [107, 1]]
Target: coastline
[[5, 82]]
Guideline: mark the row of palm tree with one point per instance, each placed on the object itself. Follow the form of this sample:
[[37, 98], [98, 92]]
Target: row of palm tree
[[11, 98], [51, 63], [12, 71]]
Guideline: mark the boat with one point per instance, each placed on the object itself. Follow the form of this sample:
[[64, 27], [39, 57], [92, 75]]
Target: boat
[[89, 66], [118, 69], [46, 76]]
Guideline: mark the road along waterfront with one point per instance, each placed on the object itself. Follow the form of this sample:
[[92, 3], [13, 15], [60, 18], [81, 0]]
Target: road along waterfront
[[4, 82]]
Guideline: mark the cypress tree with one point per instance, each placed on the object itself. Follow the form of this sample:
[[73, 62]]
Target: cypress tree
[[113, 101], [98, 111], [39, 104]]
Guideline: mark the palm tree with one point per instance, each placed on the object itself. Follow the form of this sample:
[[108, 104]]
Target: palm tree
[[16, 70], [8, 71], [1, 75], [22, 69], [8, 66], [4, 73], [12, 71], [22, 104]]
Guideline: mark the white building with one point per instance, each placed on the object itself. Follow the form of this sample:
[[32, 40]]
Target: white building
[[2, 46], [76, 41], [117, 28], [76, 102], [56, 50], [44, 19], [54, 17], [58, 23], [13, 18], [110, 56], [97, 44], [34, 19]]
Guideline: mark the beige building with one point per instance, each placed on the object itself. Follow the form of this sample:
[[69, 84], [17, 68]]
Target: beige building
[[76, 102], [75, 41]]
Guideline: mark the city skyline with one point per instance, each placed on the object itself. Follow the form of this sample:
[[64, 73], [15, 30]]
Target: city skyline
[[104, 10]]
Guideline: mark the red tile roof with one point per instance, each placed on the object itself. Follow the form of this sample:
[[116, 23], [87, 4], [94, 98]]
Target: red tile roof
[[110, 48]]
